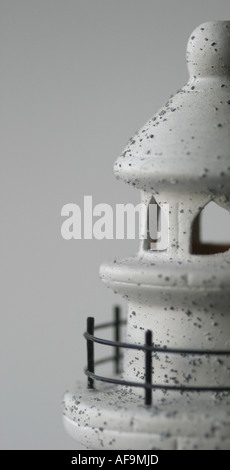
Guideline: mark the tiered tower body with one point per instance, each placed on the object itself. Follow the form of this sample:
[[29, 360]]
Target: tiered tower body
[[181, 157]]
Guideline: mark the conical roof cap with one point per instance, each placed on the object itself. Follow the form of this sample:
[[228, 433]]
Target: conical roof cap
[[186, 145]]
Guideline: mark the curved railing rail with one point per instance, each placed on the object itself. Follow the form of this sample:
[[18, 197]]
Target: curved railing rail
[[148, 348]]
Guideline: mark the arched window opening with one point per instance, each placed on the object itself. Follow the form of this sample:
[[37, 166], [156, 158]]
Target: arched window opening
[[211, 230]]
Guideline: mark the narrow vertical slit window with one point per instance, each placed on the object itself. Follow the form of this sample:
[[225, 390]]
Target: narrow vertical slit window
[[156, 227]]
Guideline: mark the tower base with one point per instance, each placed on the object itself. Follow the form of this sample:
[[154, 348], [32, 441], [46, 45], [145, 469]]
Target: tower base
[[115, 418]]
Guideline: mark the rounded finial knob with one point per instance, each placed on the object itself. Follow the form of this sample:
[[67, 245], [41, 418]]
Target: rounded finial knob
[[208, 50]]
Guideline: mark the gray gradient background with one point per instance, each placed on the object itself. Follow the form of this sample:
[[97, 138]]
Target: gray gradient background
[[78, 78]]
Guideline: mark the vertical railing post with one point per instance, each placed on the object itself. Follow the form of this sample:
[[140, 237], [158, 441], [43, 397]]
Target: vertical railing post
[[148, 367], [117, 338], [90, 350]]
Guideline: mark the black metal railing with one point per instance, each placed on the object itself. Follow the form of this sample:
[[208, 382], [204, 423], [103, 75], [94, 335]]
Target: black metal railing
[[148, 348]]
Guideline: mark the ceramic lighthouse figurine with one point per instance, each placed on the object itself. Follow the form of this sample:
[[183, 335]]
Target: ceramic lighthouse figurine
[[179, 297]]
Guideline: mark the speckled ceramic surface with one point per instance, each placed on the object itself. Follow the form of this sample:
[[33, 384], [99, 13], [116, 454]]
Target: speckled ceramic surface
[[180, 157], [115, 418], [185, 146]]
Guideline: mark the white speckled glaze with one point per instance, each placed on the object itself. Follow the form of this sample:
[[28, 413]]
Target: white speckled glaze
[[180, 157]]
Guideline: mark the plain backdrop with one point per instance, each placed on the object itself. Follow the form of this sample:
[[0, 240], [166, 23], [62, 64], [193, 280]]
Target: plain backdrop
[[78, 78]]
